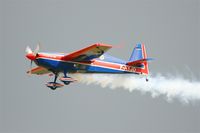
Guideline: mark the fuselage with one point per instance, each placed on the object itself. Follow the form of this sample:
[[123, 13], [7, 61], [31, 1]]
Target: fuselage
[[104, 64]]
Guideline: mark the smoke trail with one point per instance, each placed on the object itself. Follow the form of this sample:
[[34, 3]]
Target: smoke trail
[[168, 86]]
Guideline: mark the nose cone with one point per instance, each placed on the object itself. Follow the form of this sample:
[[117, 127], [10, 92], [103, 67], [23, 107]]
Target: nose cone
[[31, 56]]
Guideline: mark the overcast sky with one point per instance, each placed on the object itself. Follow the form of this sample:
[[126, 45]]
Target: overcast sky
[[170, 30]]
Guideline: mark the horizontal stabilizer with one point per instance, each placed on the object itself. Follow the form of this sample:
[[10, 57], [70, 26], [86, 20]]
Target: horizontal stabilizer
[[137, 62]]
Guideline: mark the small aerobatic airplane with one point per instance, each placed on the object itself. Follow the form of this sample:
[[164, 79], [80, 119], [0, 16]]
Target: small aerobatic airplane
[[92, 59]]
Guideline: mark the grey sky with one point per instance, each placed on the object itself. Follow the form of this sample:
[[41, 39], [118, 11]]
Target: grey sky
[[169, 28]]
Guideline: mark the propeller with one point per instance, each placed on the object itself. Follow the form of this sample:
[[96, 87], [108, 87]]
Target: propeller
[[32, 55], [29, 51]]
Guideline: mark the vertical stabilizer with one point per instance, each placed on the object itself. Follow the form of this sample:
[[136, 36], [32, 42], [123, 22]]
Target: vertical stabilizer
[[139, 59], [137, 53]]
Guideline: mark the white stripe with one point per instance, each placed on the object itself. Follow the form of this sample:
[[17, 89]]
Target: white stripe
[[53, 54], [110, 62]]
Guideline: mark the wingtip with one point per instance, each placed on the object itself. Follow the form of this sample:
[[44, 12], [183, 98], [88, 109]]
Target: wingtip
[[103, 44], [150, 59]]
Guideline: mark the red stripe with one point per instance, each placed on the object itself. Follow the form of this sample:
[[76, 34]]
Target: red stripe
[[144, 51], [49, 56], [145, 70]]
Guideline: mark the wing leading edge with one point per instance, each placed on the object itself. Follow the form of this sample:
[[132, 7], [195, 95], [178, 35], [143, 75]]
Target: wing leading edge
[[39, 71]]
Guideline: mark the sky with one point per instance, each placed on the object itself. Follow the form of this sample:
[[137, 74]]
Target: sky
[[169, 29]]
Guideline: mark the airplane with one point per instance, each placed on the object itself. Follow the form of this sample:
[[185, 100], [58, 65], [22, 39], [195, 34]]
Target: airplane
[[92, 59]]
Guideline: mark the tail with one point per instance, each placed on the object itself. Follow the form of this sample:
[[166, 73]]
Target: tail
[[139, 59]]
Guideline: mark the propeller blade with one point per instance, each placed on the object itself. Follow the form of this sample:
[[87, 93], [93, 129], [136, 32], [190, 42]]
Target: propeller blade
[[28, 50], [37, 48], [30, 72]]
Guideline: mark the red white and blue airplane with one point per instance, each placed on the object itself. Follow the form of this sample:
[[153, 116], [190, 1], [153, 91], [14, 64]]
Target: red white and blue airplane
[[92, 59]]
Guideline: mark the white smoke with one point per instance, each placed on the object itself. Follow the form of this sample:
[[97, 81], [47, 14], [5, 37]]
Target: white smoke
[[167, 86]]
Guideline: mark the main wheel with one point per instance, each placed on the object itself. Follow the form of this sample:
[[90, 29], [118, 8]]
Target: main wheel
[[53, 87], [66, 82]]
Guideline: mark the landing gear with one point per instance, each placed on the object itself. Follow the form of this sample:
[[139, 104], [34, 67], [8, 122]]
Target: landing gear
[[67, 80], [54, 85], [56, 76]]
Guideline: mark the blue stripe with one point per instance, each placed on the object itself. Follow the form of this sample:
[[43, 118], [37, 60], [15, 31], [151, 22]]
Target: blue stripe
[[70, 67]]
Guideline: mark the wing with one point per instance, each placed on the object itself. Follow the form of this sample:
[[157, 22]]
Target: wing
[[39, 71], [88, 53]]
